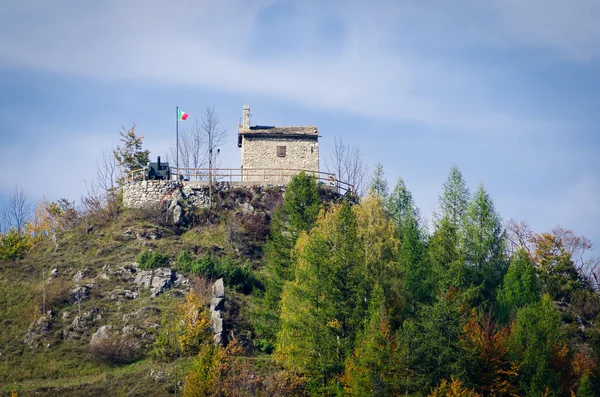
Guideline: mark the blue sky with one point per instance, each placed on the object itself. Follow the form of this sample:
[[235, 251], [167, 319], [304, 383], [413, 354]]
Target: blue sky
[[507, 90]]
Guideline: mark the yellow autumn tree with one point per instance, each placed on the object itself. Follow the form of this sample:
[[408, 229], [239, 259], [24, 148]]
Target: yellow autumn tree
[[453, 389], [194, 323], [378, 236], [51, 218], [496, 375]]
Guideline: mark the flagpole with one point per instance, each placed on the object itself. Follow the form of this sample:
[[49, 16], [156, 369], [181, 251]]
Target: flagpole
[[177, 140]]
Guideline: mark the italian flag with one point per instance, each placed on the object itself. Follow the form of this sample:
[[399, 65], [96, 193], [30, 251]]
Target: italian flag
[[182, 115]]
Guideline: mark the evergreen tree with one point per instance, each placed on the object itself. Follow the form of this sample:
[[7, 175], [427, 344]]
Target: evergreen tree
[[379, 185], [434, 350], [400, 204], [296, 215], [535, 340], [520, 286], [129, 155], [454, 199], [483, 241], [373, 369], [447, 261], [586, 388], [323, 307], [418, 276], [445, 253]]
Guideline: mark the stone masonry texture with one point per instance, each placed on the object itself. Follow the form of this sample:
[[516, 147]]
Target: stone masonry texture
[[261, 152]]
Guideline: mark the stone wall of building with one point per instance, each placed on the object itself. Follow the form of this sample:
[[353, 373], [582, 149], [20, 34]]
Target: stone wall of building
[[262, 152]]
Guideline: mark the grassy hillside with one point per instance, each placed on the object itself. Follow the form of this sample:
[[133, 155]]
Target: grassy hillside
[[100, 253]]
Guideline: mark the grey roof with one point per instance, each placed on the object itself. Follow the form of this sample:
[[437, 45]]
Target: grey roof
[[269, 131]]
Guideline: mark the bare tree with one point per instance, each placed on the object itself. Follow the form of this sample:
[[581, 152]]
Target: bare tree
[[593, 269], [346, 162], [216, 136], [214, 133], [193, 151], [18, 211], [518, 236], [107, 172]]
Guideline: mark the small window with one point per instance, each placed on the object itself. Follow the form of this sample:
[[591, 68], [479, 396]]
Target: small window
[[280, 151]]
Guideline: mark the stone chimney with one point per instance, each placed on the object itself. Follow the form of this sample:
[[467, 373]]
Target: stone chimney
[[246, 117]]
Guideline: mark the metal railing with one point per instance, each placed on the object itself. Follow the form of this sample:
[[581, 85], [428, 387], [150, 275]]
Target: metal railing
[[246, 175], [140, 174]]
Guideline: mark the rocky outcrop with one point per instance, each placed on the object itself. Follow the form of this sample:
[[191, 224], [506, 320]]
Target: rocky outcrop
[[123, 294], [157, 280], [216, 310], [124, 273], [38, 329], [80, 293], [101, 334], [80, 324]]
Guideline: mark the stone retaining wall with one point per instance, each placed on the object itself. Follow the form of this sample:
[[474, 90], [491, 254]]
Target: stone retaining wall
[[145, 193], [150, 193]]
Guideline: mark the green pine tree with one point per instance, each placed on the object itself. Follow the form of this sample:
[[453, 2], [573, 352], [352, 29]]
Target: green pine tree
[[130, 156], [373, 369], [379, 185], [483, 242], [454, 199], [418, 277], [322, 309], [400, 204], [520, 286], [433, 343], [446, 260], [536, 336], [445, 254], [296, 215], [586, 388]]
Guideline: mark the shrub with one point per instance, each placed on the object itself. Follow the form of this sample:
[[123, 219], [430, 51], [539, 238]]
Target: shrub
[[152, 260], [240, 278], [14, 245], [184, 333], [116, 349], [255, 224]]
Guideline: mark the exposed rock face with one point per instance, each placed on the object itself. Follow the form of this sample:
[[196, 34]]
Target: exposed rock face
[[177, 213], [157, 280], [218, 289], [125, 273], [39, 329], [101, 334], [216, 310], [80, 275], [80, 324], [123, 294], [79, 294]]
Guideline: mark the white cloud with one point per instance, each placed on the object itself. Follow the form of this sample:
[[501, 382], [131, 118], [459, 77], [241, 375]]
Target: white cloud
[[208, 44]]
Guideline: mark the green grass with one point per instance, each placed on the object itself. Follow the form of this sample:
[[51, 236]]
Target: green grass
[[66, 368], [207, 237], [116, 381]]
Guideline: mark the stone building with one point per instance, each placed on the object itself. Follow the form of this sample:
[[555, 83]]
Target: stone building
[[276, 153]]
